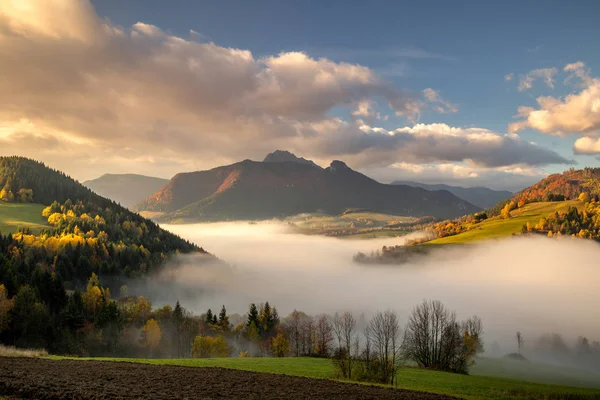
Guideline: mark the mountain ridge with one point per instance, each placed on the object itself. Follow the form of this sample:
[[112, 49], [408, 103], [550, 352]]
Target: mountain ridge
[[477, 195], [263, 190], [125, 189]]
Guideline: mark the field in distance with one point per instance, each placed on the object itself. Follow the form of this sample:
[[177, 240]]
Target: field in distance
[[353, 224], [21, 215], [497, 227], [518, 378]]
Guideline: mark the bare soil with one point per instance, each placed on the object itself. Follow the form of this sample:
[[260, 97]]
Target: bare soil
[[35, 378]]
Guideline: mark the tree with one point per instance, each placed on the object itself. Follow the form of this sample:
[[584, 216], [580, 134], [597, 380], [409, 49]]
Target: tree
[[280, 345], [224, 319], [206, 346], [520, 342], [344, 327], [435, 339], [6, 306], [323, 336], [209, 318], [252, 316], [123, 292], [152, 335], [6, 194], [383, 334], [584, 197]]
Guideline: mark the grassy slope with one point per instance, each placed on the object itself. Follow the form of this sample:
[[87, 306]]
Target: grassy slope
[[498, 228], [15, 215], [469, 387]]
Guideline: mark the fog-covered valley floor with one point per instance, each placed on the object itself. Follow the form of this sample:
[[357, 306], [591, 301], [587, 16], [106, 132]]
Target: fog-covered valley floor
[[534, 285]]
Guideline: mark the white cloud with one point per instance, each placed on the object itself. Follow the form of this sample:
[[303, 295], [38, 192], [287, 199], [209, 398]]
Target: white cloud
[[587, 145], [513, 178], [121, 100], [426, 143], [576, 113], [509, 77], [546, 74], [440, 105]]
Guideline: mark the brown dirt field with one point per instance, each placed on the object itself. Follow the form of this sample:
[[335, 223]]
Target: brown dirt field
[[31, 378]]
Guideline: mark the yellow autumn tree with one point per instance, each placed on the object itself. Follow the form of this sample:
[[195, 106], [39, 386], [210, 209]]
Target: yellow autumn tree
[[280, 345], [207, 346], [152, 335], [585, 197]]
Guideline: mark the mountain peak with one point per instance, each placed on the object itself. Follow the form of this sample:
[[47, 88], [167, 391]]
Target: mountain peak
[[337, 165], [286, 156]]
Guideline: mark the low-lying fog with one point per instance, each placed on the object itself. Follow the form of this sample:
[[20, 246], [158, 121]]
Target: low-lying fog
[[534, 285]]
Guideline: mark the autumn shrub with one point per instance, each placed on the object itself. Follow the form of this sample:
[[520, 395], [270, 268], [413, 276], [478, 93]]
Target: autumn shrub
[[209, 347]]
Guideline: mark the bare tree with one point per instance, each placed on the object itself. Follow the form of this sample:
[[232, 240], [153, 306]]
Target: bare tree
[[323, 335], [293, 326], [434, 338], [344, 327], [519, 342], [307, 333], [473, 330], [383, 339]]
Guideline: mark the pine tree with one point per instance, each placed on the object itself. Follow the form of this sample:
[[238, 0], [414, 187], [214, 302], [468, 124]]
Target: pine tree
[[224, 319], [209, 317], [252, 315]]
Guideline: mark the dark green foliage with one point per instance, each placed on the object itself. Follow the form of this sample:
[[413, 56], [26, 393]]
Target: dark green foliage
[[209, 317], [89, 234], [252, 315]]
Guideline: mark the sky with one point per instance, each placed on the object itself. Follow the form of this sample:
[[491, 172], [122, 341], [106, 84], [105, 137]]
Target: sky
[[470, 93]]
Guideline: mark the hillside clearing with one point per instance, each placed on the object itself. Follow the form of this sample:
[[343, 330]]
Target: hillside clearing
[[19, 215], [495, 228], [466, 386]]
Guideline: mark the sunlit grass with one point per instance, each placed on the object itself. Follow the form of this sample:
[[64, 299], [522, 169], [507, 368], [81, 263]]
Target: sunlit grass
[[496, 228], [16, 215]]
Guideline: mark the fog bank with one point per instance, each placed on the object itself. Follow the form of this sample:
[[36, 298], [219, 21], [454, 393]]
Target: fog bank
[[531, 284]]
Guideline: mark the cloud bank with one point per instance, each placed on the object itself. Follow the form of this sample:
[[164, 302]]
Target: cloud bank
[[526, 284], [139, 98], [577, 113]]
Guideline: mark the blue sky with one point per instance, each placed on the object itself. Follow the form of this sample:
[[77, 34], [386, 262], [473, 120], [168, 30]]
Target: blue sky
[[461, 50]]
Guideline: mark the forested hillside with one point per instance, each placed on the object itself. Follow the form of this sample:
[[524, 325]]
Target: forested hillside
[[87, 235]]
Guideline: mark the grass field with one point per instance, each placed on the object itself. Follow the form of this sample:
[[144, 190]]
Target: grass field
[[16, 215], [495, 228], [470, 387], [356, 225]]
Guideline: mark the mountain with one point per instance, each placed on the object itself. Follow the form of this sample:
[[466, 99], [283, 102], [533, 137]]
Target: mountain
[[126, 189], [286, 156], [262, 190], [480, 196]]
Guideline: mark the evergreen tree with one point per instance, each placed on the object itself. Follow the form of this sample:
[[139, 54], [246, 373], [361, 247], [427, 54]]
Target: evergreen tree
[[223, 318], [252, 315], [209, 317]]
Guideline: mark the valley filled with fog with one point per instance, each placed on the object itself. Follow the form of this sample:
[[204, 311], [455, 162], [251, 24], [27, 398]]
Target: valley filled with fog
[[532, 285]]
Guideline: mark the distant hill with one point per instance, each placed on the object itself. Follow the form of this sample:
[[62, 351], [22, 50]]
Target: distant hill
[[262, 190], [126, 189], [480, 196]]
